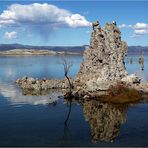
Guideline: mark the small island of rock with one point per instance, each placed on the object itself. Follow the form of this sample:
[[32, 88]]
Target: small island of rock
[[103, 62], [102, 67]]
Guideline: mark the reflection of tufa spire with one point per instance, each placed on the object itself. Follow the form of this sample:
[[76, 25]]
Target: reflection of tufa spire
[[104, 119]]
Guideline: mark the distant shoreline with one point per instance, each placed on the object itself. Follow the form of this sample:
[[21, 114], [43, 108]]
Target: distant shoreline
[[34, 52], [65, 50]]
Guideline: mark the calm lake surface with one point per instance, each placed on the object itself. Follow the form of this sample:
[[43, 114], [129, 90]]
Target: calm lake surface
[[39, 120]]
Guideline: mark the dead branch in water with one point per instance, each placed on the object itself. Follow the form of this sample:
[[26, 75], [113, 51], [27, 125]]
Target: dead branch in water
[[67, 65]]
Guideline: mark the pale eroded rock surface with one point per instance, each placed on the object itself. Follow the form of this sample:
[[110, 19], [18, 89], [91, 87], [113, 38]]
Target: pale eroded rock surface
[[103, 60], [35, 84], [131, 79], [102, 66]]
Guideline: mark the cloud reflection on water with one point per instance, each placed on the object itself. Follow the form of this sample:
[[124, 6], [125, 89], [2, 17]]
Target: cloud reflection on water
[[14, 96]]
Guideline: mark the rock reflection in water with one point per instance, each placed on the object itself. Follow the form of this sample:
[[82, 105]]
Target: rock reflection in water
[[104, 119]]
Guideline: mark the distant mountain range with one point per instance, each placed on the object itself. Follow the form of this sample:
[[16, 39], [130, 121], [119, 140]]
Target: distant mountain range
[[80, 49], [137, 49], [77, 49]]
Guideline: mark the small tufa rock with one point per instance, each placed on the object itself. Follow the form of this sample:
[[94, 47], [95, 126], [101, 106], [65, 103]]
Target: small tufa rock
[[34, 84], [86, 97], [31, 79], [95, 24], [131, 79], [91, 85]]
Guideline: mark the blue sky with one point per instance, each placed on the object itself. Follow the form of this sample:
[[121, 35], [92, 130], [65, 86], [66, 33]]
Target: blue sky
[[67, 23]]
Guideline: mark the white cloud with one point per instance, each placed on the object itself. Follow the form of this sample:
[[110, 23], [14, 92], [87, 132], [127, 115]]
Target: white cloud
[[41, 14], [140, 26], [125, 26], [122, 26], [10, 35], [139, 29]]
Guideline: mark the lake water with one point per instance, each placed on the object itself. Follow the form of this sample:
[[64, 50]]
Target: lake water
[[39, 120]]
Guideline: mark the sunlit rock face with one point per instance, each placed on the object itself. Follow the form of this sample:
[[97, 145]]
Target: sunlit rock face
[[103, 60], [102, 66], [104, 119], [29, 84]]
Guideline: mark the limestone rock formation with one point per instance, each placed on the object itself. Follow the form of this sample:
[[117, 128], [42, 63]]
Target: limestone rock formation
[[103, 60], [102, 66], [30, 83], [132, 78]]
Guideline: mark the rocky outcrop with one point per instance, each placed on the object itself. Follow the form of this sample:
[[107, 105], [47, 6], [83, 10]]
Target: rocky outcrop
[[103, 60], [103, 66], [29, 83], [131, 79], [142, 87]]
